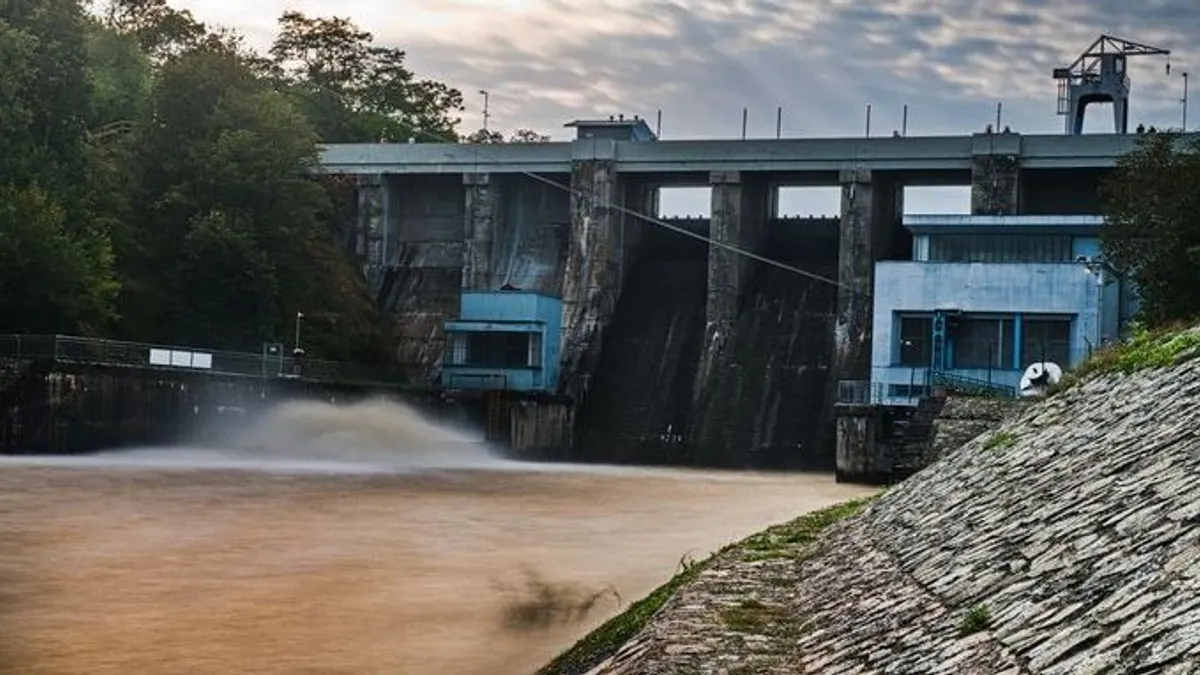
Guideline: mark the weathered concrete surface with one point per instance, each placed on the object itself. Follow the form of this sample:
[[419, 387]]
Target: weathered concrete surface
[[1080, 538], [764, 401], [591, 282], [995, 188], [638, 403]]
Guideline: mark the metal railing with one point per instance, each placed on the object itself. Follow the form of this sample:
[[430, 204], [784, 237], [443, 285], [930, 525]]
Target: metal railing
[[117, 353], [971, 386], [860, 392]]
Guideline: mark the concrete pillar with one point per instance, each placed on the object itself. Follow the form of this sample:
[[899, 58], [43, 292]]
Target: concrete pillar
[[857, 252], [372, 228], [482, 200], [859, 452], [591, 282], [995, 173], [867, 226]]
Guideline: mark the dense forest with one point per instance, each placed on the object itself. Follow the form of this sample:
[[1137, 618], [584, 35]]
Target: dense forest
[[156, 174]]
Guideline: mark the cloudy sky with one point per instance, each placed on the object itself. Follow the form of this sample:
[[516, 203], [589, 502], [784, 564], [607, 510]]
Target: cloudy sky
[[546, 62]]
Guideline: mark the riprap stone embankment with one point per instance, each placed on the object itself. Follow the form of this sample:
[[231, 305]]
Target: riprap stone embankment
[[1073, 531]]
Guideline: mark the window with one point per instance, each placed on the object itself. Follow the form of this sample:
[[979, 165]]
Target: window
[[983, 342], [916, 341], [496, 350], [1045, 339], [999, 248]]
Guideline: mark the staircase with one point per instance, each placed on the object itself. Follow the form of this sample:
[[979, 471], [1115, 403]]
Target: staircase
[[913, 438]]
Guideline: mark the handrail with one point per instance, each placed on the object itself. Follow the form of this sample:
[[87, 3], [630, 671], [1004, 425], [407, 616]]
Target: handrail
[[97, 351], [971, 385]]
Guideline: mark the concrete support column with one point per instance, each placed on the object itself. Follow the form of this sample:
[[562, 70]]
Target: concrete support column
[[738, 219], [869, 206], [592, 280], [858, 249], [995, 175], [482, 200], [372, 228]]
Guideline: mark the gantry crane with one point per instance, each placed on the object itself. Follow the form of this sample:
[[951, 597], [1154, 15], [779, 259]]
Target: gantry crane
[[1099, 76]]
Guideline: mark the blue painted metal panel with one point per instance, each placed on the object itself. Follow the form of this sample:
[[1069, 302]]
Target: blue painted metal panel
[[511, 312], [494, 327]]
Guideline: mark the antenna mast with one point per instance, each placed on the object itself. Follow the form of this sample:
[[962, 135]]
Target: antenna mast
[[1099, 76]]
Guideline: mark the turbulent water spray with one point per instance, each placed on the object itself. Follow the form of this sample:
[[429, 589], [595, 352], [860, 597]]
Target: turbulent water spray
[[368, 436], [375, 431]]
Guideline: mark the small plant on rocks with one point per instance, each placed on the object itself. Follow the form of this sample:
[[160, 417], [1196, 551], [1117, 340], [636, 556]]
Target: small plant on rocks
[[1001, 440], [978, 618]]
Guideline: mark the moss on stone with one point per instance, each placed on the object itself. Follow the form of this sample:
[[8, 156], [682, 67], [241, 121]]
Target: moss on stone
[[1001, 440], [780, 540]]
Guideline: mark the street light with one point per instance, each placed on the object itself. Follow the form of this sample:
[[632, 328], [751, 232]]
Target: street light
[[299, 316], [1097, 267], [485, 109], [1185, 100]]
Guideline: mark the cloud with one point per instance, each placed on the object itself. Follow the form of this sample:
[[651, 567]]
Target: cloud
[[546, 62]]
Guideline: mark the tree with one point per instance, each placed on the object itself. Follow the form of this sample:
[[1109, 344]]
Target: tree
[[50, 92], [159, 29], [485, 136], [528, 136], [1152, 208], [54, 279], [356, 91]]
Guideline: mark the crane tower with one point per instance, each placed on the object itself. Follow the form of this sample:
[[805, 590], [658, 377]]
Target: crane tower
[[1099, 76]]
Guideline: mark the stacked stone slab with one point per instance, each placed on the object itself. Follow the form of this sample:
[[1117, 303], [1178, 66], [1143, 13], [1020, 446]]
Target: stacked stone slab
[[1072, 529]]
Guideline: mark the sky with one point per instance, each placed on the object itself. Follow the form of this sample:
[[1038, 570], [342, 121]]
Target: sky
[[700, 62]]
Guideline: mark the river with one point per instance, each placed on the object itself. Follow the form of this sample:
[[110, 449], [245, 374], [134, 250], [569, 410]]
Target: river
[[353, 540]]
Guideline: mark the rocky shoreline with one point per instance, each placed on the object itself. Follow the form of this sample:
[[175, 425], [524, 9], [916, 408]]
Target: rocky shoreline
[[1064, 542]]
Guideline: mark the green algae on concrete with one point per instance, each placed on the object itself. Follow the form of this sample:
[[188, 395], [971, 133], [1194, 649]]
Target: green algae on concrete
[[786, 540]]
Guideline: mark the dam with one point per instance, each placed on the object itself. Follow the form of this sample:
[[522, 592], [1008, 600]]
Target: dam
[[716, 341]]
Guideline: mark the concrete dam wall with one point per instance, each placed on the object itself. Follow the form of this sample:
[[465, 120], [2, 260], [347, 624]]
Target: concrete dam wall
[[673, 350], [766, 403], [639, 401], [763, 402]]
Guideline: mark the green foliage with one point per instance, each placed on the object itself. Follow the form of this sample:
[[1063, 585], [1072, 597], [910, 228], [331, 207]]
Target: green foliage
[[1145, 349], [157, 176], [72, 287], [488, 136], [977, 619], [1152, 205], [751, 616], [608, 638], [356, 91], [1001, 440]]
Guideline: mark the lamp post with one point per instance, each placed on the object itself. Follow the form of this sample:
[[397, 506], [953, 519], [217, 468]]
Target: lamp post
[[1185, 100], [485, 108], [1097, 268], [299, 317]]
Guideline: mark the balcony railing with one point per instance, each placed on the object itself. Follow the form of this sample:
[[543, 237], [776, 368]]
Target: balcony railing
[[116, 353]]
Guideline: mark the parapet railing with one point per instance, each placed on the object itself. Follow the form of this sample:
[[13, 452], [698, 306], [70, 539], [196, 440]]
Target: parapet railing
[[860, 392], [95, 351], [971, 386]]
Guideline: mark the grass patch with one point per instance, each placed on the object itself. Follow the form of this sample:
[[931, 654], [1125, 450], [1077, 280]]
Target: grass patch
[[978, 618], [787, 540], [750, 616], [1001, 440], [609, 637], [1145, 349]]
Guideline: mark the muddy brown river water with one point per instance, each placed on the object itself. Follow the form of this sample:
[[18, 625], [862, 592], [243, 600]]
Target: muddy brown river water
[[183, 562]]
